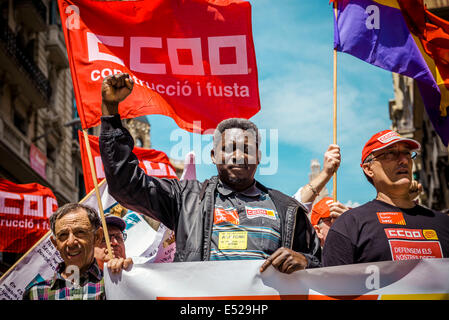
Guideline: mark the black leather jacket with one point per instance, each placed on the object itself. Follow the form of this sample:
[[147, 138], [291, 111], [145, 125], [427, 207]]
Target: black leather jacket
[[188, 206]]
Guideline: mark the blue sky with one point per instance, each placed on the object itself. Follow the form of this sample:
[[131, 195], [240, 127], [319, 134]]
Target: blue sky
[[293, 41]]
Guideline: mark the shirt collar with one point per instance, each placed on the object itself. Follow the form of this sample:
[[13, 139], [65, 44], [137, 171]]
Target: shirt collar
[[226, 190], [93, 273]]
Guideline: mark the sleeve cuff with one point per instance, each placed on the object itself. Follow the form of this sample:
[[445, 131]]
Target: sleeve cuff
[[111, 122], [297, 196]]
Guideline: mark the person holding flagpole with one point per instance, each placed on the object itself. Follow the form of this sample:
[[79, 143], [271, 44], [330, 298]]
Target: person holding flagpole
[[308, 193], [227, 217]]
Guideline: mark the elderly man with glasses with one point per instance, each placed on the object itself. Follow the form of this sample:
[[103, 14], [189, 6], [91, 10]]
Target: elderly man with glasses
[[116, 230], [392, 226]]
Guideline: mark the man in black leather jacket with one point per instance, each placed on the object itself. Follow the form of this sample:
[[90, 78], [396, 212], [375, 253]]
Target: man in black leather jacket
[[229, 216]]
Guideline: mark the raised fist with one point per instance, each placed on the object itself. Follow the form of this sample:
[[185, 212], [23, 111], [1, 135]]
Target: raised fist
[[115, 89]]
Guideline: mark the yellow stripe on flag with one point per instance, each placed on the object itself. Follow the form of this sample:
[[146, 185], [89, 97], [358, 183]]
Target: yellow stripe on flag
[[389, 3], [423, 296], [444, 102]]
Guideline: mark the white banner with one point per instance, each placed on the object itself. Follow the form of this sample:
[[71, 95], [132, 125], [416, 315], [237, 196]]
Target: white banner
[[40, 262], [140, 236], [228, 280]]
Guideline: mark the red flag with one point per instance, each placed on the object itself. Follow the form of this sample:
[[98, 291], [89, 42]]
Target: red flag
[[153, 162], [24, 213], [433, 33], [191, 60]]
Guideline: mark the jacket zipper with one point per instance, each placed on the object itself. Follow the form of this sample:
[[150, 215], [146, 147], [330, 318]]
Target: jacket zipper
[[209, 218], [291, 215]]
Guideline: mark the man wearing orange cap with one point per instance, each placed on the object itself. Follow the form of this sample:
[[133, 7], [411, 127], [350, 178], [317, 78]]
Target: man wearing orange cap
[[392, 226], [323, 215]]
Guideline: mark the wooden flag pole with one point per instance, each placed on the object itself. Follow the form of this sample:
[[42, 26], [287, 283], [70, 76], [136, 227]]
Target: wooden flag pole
[[97, 192], [334, 179]]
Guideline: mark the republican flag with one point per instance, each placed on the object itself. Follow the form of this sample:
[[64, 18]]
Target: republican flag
[[191, 60], [394, 36], [153, 162], [24, 213]]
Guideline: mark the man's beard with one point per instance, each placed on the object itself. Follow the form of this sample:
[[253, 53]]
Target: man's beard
[[234, 180]]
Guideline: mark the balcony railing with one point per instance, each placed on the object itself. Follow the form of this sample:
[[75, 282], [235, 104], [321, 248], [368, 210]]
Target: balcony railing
[[18, 54]]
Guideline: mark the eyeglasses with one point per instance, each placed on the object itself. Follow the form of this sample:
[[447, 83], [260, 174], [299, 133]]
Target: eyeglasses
[[119, 237], [393, 155]]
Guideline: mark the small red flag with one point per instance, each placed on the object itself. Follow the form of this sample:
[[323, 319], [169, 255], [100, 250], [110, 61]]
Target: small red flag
[[24, 213], [153, 162]]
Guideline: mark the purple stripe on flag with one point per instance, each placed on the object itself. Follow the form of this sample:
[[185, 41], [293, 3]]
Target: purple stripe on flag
[[390, 46], [379, 35]]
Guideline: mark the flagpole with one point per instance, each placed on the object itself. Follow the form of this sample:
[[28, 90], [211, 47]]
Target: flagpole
[[41, 239], [97, 193], [334, 180]]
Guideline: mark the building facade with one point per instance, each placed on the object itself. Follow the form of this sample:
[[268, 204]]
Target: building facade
[[36, 100], [409, 118]]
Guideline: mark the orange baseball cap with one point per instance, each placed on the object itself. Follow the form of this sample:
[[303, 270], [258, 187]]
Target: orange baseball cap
[[384, 139], [320, 210]]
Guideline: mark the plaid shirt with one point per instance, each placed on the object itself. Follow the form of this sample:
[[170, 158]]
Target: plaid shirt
[[91, 286]]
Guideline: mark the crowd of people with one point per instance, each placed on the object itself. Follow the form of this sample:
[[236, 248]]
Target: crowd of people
[[233, 216]]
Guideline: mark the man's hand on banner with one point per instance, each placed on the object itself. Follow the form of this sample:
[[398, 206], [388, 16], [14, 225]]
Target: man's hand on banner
[[285, 260], [118, 264], [115, 89]]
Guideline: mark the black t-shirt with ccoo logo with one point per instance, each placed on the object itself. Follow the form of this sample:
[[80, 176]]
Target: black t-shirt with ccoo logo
[[377, 231]]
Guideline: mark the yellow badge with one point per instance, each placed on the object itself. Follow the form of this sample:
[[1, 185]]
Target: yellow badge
[[233, 240], [430, 234]]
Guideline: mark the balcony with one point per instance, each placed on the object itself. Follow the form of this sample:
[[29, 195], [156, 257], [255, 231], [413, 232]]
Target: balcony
[[15, 140], [16, 58], [15, 148], [56, 47], [32, 13]]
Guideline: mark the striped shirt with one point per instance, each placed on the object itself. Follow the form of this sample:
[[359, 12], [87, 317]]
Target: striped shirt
[[91, 286], [246, 225]]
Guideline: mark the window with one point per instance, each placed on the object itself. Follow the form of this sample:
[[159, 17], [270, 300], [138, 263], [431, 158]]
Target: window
[[51, 152], [77, 126], [54, 13], [80, 184], [20, 122]]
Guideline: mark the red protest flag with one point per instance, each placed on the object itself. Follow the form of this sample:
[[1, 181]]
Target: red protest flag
[[192, 60], [153, 162], [24, 213]]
